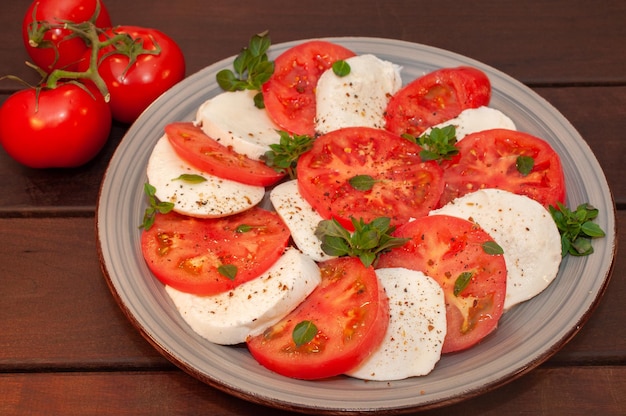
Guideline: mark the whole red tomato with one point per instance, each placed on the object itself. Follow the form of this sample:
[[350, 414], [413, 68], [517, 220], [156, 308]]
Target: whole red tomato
[[61, 127], [136, 78], [57, 49]]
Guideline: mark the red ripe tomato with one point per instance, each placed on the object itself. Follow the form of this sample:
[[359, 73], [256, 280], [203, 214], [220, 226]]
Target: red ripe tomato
[[198, 255], [351, 313], [289, 95], [208, 155], [449, 250], [400, 186], [58, 49], [436, 97], [489, 159], [61, 127], [135, 84]]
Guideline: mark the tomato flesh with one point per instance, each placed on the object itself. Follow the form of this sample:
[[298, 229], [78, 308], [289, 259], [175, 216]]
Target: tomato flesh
[[289, 95], [206, 154], [444, 247], [436, 97], [488, 159], [351, 313], [188, 253], [403, 186]]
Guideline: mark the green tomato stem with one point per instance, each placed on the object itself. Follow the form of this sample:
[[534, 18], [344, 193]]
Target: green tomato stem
[[89, 32]]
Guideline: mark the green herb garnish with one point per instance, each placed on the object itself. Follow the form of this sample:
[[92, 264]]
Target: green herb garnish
[[577, 228], [154, 207], [186, 177], [438, 144], [524, 164], [362, 182], [252, 68], [461, 282], [366, 242], [244, 228], [304, 332], [492, 248], [283, 156], [341, 68], [228, 270]]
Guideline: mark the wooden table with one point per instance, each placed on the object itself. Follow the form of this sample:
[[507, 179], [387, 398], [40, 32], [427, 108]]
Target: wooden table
[[66, 347]]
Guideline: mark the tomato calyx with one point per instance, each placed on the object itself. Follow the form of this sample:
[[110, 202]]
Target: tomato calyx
[[122, 43], [125, 44], [38, 28], [90, 33]]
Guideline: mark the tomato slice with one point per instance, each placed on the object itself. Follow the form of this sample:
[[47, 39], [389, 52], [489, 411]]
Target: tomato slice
[[402, 186], [436, 97], [208, 155], [289, 95], [351, 312], [488, 159], [448, 249], [188, 253]]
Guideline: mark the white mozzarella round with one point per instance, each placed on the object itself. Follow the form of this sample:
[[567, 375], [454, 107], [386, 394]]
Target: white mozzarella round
[[215, 197], [232, 119], [526, 232], [417, 327], [229, 318], [300, 217], [359, 98], [473, 120]]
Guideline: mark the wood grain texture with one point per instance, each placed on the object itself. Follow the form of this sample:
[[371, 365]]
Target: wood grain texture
[[175, 393], [537, 42], [67, 348]]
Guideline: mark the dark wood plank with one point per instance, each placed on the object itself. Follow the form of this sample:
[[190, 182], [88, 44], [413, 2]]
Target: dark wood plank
[[53, 192], [57, 311], [537, 42], [592, 111], [553, 391], [599, 118]]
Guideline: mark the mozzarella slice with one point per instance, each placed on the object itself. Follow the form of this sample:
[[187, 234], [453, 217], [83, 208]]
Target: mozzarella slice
[[215, 197], [232, 119], [526, 232], [359, 98], [229, 318], [300, 217], [473, 120], [416, 331]]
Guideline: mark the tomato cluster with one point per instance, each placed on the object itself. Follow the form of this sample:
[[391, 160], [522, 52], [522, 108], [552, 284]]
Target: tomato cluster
[[93, 73]]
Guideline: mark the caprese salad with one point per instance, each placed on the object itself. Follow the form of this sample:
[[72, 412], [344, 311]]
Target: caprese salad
[[338, 222]]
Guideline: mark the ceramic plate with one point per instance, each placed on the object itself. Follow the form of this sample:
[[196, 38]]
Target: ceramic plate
[[527, 335]]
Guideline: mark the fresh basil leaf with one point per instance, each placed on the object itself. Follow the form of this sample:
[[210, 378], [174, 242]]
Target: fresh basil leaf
[[154, 207], [362, 182], [304, 332], [438, 144], [243, 228], [341, 68], [576, 228], [524, 164], [367, 241], [228, 270], [283, 156], [592, 229], [492, 248], [186, 177], [461, 282]]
